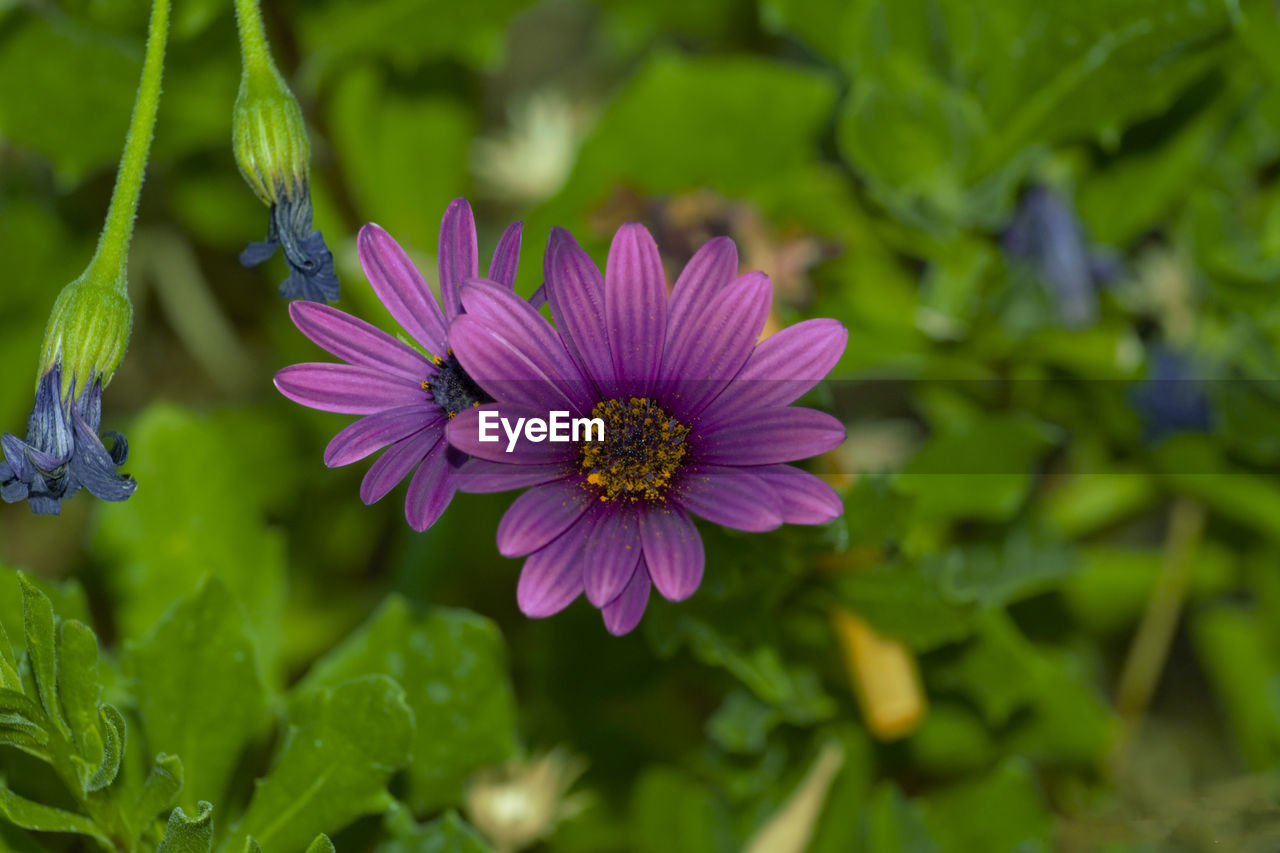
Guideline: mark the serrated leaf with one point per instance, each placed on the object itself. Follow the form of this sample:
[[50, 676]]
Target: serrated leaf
[[342, 747], [454, 668], [114, 742], [42, 654], [40, 818], [322, 844], [160, 790], [448, 833], [78, 685], [188, 834], [200, 692]]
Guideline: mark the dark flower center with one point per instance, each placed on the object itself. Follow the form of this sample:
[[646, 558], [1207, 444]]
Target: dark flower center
[[451, 387], [642, 450]]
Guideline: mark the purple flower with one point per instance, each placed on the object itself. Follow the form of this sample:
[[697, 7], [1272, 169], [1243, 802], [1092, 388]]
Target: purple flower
[[63, 451], [406, 397], [696, 420], [311, 273]]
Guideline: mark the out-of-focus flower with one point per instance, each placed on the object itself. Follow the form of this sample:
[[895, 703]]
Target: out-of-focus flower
[[1172, 398], [522, 802], [697, 420], [1047, 236], [532, 160], [269, 138], [406, 397]]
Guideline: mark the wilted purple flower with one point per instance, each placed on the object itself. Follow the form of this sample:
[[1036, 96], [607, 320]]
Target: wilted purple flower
[[1046, 234], [1171, 399], [405, 396], [311, 273], [62, 451], [696, 420]]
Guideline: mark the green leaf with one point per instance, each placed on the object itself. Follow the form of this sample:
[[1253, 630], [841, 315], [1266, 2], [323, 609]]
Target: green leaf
[[1009, 791], [342, 747], [903, 603], [159, 791], [189, 834], [67, 597], [894, 824], [454, 668], [197, 516], [742, 723], [322, 844], [992, 576], [93, 75], [42, 655], [200, 692], [114, 742], [672, 813], [977, 470], [40, 818], [448, 833], [79, 686]]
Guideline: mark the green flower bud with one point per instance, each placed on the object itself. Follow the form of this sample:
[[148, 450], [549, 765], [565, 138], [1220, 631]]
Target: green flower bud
[[269, 135], [88, 332]]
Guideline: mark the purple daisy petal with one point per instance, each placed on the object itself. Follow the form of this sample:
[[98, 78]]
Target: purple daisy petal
[[463, 431], [345, 388], [709, 356], [431, 489], [803, 498], [552, 576], [575, 290], [401, 288], [356, 342], [611, 553], [672, 550], [374, 432], [459, 256], [783, 367], [395, 464], [481, 476], [540, 515], [504, 342], [766, 437], [711, 268], [623, 614], [635, 306], [733, 497], [506, 257]]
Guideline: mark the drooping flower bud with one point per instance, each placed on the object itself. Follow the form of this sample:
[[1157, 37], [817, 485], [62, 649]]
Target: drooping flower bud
[[269, 137], [87, 333]]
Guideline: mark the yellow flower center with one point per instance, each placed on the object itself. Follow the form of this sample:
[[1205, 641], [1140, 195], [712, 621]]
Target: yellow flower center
[[642, 450]]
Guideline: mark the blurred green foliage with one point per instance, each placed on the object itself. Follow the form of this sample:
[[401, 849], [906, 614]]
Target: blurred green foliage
[[1011, 500]]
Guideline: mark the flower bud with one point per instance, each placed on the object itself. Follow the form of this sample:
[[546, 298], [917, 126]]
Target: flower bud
[[269, 135], [87, 333]]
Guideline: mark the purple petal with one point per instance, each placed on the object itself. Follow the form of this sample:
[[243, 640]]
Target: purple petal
[[356, 342], [346, 388], [711, 268], [765, 437], [611, 553], [552, 576], [540, 515], [459, 257], [711, 354], [396, 463], [481, 476], [430, 490], [511, 350], [506, 257], [672, 550], [402, 289], [635, 306], [575, 290], [374, 432], [623, 614], [803, 498], [463, 431], [733, 497], [783, 367]]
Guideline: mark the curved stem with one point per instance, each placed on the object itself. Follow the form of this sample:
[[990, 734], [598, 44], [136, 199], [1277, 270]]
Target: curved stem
[[112, 254], [254, 51]]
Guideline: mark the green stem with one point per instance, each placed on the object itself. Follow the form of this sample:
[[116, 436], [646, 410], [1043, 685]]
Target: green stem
[[110, 258], [254, 51]]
